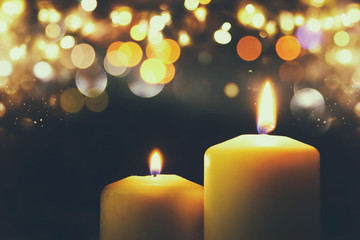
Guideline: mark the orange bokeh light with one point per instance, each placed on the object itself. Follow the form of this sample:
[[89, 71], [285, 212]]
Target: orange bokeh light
[[127, 54], [170, 73], [291, 72], [249, 48], [167, 50], [114, 47], [111, 54], [132, 52], [288, 48]]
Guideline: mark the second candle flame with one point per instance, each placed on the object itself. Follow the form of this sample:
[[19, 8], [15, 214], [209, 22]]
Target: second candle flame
[[266, 121], [155, 162]]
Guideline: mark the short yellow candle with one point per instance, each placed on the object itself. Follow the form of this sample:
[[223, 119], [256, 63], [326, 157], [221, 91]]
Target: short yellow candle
[[159, 207], [260, 187]]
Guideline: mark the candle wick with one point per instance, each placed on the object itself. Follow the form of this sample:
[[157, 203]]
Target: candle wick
[[264, 129], [154, 174]]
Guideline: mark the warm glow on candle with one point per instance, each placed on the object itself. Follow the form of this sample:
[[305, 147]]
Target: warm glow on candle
[[266, 110], [155, 162]]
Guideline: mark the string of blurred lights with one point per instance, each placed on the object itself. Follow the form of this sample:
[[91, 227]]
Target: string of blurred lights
[[41, 59]]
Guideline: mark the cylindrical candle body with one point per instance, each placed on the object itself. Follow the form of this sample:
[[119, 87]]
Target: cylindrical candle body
[[260, 187], [143, 208]]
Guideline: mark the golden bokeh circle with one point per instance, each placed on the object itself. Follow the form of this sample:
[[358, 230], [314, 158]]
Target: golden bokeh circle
[[71, 100], [288, 48]]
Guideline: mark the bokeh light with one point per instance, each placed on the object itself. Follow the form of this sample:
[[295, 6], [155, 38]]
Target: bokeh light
[[222, 36], [170, 73], [13, 8], [153, 71], [6, 68], [83, 55], [323, 43], [88, 5], [204, 2], [246, 14], [291, 72], [286, 22], [143, 89], [17, 53], [89, 28], [354, 14], [53, 30], [49, 15], [344, 56], [67, 42], [316, 3], [249, 48], [155, 37], [200, 13], [73, 22], [341, 38], [258, 20], [121, 16], [307, 102], [308, 37], [299, 19], [129, 54], [288, 48], [308, 109], [184, 38], [43, 71], [138, 32], [313, 25], [231, 90], [97, 104], [251, 15], [270, 28], [167, 50], [166, 16], [113, 69], [327, 23], [112, 54], [51, 51], [157, 23], [91, 81], [191, 5], [71, 100]]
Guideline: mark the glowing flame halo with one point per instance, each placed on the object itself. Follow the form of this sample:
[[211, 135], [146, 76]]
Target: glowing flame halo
[[155, 162], [266, 120]]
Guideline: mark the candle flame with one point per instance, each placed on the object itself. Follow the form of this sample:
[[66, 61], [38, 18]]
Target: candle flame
[[155, 162], [266, 110]]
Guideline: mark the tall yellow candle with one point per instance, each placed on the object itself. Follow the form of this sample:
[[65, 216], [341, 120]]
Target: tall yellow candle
[[261, 187], [158, 207]]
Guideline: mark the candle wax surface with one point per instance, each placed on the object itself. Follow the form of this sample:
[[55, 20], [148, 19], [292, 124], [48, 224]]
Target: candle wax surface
[[148, 207], [261, 187]]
